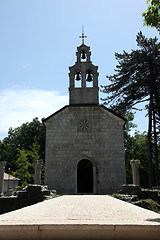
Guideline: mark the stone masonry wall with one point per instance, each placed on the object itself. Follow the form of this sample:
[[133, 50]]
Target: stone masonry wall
[[102, 143]]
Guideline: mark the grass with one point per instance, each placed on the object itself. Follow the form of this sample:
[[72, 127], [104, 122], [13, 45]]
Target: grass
[[145, 203], [151, 205]]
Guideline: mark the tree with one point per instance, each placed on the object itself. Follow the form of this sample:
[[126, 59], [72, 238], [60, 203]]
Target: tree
[[152, 15], [21, 147], [136, 148], [128, 144], [139, 151], [23, 137], [25, 167], [137, 80]]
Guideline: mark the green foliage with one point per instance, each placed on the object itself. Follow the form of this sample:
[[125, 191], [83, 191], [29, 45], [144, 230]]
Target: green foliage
[[136, 73], [23, 137], [140, 151], [145, 203], [119, 196], [151, 205], [25, 168], [21, 147], [137, 80], [128, 144], [35, 150], [152, 15], [136, 148], [129, 124], [60, 195], [123, 197]]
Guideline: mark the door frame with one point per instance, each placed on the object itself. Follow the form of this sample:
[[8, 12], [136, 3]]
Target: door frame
[[94, 175]]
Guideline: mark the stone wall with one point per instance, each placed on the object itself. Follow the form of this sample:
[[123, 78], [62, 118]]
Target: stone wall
[[102, 143], [136, 190], [30, 195], [84, 95]]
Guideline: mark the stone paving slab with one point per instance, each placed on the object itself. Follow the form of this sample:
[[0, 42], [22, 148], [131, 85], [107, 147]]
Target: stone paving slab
[[81, 216]]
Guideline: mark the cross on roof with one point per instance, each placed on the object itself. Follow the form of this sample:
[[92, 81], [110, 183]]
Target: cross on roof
[[83, 36]]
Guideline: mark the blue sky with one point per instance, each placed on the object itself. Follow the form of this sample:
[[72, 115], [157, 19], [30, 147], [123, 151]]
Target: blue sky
[[38, 44]]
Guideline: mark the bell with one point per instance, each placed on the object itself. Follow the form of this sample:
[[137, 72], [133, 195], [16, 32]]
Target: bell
[[89, 78], [83, 55], [77, 77]]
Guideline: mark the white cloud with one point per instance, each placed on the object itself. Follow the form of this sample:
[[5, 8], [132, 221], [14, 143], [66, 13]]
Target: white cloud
[[18, 106], [22, 105]]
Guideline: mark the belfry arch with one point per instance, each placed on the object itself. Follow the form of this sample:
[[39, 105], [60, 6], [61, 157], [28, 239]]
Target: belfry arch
[[86, 177]]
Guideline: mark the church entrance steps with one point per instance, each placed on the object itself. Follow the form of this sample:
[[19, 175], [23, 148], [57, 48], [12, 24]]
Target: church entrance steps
[[80, 217]]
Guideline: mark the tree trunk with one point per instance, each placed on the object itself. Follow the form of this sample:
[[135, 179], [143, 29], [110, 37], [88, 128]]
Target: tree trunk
[[150, 167], [156, 150]]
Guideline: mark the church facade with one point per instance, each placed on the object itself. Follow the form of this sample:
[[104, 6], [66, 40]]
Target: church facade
[[84, 140]]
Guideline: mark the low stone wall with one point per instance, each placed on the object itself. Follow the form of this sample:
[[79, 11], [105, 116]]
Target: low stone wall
[[132, 189], [145, 198], [30, 195], [8, 204]]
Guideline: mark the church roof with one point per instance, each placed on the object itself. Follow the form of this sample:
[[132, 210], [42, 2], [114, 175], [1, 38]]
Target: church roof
[[114, 113], [86, 105], [60, 110]]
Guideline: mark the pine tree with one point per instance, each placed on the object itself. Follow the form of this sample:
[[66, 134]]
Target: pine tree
[[137, 79]]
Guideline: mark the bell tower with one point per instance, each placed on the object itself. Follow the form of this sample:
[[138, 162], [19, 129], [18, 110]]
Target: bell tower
[[83, 78], [84, 140]]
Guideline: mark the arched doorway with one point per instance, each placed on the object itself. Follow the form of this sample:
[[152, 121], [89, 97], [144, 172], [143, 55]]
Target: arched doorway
[[85, 176]]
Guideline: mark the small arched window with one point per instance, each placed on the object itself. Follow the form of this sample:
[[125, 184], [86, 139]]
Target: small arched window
[[77, 78], [83, 56], [89, 78]]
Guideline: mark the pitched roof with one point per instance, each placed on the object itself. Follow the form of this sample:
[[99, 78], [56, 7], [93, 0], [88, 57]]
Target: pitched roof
[[114, 113], [60, 110], [10, 177], [77, 105]]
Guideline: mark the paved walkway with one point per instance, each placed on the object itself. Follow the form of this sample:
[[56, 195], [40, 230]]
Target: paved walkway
[[82, 216]]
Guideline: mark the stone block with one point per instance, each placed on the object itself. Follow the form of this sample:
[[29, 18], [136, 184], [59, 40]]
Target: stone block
[[130, 189]]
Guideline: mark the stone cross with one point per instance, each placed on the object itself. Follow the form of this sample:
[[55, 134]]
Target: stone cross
[[2, 170], [37, 169], [135, 171], [83, 36]]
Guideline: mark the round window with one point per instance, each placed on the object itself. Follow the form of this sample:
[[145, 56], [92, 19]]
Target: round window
[[84, 125]]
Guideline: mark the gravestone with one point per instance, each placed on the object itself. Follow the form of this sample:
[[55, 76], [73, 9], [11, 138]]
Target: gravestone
[[2, 170], [37, 171], [135, 171]]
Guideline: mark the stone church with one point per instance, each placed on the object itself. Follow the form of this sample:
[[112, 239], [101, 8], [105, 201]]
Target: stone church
[[84, 140]]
